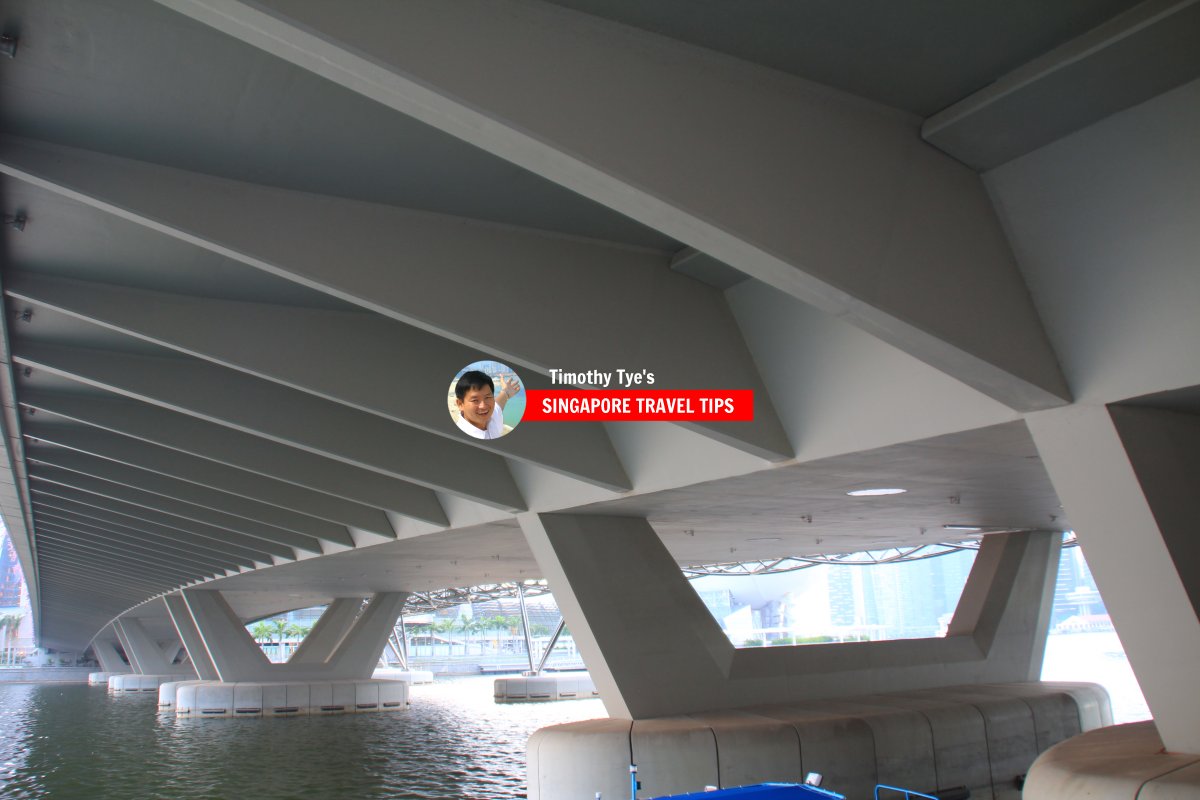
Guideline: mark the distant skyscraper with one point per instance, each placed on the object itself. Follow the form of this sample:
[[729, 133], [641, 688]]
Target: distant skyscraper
[[11, 577]]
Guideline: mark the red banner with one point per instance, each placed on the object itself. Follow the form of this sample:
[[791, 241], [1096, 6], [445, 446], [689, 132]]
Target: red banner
[[639, 405]]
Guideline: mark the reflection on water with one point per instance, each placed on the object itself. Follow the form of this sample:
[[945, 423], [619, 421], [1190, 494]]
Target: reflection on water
[[1097, 658], [75, 741]]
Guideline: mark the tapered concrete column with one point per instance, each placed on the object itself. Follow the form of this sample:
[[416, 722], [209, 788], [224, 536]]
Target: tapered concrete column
[[233, 653], [190, 637], [145, 654], [105, 648], [1128, 478], [358, 653], [170, 651], [654, 650], [348, 647], [328, 632]]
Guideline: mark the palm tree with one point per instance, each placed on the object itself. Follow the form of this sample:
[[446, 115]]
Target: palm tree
[[297, 632], [4, 628], [444, 627], [279, 627], [9, 623], [261, 632], [467, 626]]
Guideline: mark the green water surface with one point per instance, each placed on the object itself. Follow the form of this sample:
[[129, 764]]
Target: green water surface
[[66, 741]]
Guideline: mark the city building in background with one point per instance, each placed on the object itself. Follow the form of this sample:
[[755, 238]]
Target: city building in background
[[17, 646]]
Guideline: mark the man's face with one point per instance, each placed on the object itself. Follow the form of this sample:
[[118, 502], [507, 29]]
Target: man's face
[[476, 406]]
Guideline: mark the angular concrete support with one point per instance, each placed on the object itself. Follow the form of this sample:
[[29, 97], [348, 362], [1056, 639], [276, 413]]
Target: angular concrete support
[[170, 651], [145, 654], [328, 632], [1127, 478], [226, 644], [190, 636], [105, 648], [348, 645], [653, 649]]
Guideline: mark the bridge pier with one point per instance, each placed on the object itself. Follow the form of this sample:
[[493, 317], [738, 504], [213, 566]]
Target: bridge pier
[[1127, 478], [688, 701], [329, 673], [105, 648], [153, 662]]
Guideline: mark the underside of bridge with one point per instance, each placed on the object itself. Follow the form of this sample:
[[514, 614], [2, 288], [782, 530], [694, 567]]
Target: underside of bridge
[[950, 247]]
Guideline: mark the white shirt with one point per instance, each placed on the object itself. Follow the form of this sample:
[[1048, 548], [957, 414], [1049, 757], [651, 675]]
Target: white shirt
[[495, 426]]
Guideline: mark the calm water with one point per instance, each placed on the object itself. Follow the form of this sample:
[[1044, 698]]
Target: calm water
[[75, 741]]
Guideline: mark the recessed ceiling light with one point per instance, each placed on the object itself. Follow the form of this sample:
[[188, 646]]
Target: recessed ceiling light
[[963, 527], [765, 539], [875, 492]]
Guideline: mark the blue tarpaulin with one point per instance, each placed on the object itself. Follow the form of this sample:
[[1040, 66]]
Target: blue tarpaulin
[[762, 791]]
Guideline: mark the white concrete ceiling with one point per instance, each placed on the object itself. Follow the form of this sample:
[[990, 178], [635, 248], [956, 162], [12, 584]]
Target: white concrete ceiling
[[250, 265]]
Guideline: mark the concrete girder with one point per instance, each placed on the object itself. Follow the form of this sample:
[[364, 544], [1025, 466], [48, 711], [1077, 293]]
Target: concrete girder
[[154, 425], [346, 357], [175, 508], [150, 582], [81, 513], [264, 551], [175, 489], [139, 548], [76, 624], [145, 569], [638, 314], [85, 624], [195, 571], [155, 544], [820, 194], [95, 575], [203, 472], [285, 416], [1132, 57], [71, 622], [100, 555], [142, 554]]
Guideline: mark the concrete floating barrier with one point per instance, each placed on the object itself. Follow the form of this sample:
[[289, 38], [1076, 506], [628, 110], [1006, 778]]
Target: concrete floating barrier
[[413, 676], [100, 678], [543, 688], [167, 692], [1124, 762], [982, 737], [283, 699], [139, 684]]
